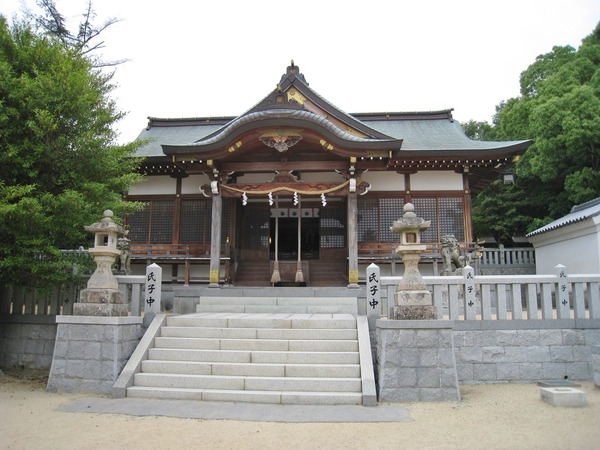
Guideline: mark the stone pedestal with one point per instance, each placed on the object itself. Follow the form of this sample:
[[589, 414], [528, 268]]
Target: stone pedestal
[[413, 312], [412, 299], [100, 302], [416, 362], [90, 352]]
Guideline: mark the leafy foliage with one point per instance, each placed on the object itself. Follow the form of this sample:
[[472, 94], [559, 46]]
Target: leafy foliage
[[60, 166], [559, 108]]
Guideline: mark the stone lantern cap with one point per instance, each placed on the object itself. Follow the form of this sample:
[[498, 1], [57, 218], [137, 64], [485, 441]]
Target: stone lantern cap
[[410, 226], [106, 225], [106, 233]]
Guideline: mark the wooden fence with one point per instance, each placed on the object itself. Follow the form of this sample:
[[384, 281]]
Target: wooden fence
[[60, 299]]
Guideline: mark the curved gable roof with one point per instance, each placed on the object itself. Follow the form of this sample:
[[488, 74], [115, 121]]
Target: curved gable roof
[[292, 104]]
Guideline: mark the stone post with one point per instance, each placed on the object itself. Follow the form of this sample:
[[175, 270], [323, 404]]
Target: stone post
[[470, 293], [153, 293], [373, 295], [563, 306]]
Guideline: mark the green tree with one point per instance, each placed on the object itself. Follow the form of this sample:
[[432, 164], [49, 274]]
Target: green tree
[[559, 108], [60, 165]]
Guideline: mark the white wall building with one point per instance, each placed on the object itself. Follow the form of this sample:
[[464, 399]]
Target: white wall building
[[572, 240]]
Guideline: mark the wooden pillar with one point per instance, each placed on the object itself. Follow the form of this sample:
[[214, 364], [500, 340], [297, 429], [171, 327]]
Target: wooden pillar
[[467, 209], [215, 239], [352, 241]]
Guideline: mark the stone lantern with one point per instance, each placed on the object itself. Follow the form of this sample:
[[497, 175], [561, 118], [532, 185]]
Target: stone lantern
[[412, 299], [102, 296]]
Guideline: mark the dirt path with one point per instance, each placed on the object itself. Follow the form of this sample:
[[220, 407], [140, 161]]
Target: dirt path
[[490, 416]]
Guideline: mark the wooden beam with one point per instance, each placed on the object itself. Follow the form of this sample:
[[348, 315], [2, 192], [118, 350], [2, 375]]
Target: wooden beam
[[312, 166]]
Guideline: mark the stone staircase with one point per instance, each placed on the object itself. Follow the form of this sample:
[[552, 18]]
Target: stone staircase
[[268, 353], [290, 305]]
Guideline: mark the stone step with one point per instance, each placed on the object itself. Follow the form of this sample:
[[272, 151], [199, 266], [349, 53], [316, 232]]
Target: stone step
[[247, 356], [253, 369], [306, 321], [257, 344], [279, 301], [260, 333], [268, 358], [292, 305], [286, 398], [291, 309], [248, 383]]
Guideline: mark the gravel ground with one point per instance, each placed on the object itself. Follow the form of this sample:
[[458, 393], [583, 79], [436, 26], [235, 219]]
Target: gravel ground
[[505, 416]]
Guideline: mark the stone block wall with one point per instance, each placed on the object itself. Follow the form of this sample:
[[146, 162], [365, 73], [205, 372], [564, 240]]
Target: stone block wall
[[415, 361], [596, 364], [525, 351], [27, 341], [90, 352], [415, 358]]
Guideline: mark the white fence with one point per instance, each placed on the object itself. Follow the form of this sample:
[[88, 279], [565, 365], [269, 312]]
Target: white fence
[[505, 261], [509, 297], [132, 287], [524, 256]]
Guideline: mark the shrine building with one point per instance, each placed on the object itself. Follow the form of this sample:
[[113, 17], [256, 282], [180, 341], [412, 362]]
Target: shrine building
[[298, 186]]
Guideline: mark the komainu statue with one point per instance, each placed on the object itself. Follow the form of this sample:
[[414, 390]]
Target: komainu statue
[[453, 259], [124, 245]]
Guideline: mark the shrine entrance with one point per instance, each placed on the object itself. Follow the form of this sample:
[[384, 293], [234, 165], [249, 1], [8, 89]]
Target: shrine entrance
[[288, 238]]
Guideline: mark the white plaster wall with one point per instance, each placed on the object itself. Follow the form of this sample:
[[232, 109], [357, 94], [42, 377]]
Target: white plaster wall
[[384, 181], [191, 184], [436, 181], [579, 255], [576, 246], [155, 185]]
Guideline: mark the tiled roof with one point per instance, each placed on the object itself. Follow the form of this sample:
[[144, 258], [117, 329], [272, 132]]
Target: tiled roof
[[578, 213], [417, 134], [420, 132], [172, 135], [438, 134]]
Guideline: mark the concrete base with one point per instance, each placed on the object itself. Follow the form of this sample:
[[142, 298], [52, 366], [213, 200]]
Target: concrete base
[[90, 352], [564, 396]]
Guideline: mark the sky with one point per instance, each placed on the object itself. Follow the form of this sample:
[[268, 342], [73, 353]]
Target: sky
[[205, 58]]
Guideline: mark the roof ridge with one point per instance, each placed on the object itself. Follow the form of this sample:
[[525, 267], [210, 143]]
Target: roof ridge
[[585, 205]]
